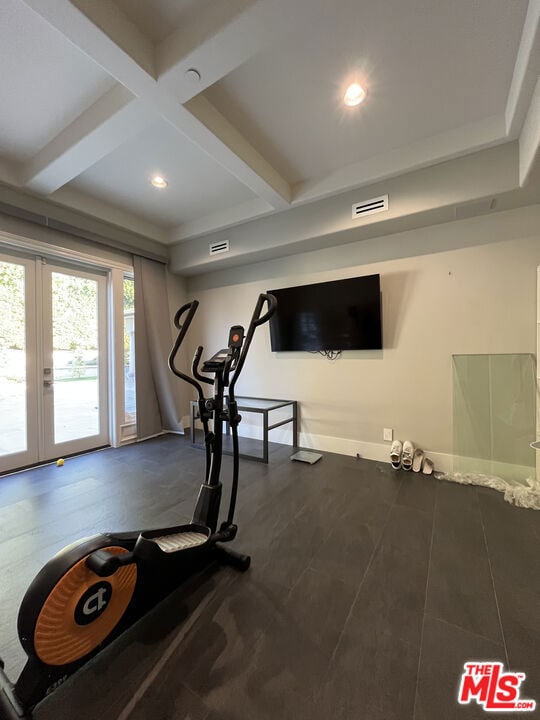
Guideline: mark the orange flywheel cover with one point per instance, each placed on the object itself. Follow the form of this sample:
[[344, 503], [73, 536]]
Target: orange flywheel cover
[[81, 611]]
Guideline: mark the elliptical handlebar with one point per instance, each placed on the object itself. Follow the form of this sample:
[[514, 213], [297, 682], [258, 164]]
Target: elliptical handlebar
[[195, 367], [255, 322], [191, 309], [272, 307]]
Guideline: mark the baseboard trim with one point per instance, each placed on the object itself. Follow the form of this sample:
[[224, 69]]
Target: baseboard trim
[[369, 450], [379, 452]]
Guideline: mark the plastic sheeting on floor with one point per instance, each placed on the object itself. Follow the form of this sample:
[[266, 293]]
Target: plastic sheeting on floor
[[525, 495]]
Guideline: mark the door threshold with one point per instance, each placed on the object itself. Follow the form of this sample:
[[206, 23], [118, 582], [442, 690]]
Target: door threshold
[[44, 463]]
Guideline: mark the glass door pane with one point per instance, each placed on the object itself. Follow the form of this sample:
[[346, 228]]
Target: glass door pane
[[18, 445], [13, 436], [75, 357], [74, 373], [130, 400]]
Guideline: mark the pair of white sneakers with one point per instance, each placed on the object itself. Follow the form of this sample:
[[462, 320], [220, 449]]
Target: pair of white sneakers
[[404, 456]]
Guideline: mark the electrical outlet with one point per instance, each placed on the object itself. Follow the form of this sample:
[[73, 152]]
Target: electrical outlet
[[388, 434]]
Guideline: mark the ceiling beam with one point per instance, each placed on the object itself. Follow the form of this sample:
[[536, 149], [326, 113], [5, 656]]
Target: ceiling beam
[[207, 127], [95, 42], [228, 35], [97, 31], [108, 17], [529, 140], [222, 220], [69, 197], [113, 119], [9, 173], [439, 148], [223, 31], [49, 213], [525, 73]]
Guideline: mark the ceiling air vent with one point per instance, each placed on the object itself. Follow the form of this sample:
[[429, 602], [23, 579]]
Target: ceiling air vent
[[216, 248], [370, 207]]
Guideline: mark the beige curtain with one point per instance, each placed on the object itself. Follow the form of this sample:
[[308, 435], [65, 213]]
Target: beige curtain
[[158, 391]]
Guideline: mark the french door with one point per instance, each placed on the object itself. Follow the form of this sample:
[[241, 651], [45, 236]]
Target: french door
[[53, 360]]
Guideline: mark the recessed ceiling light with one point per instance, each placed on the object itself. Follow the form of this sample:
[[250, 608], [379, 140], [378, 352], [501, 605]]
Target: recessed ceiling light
[[355, 95], [159, 182]]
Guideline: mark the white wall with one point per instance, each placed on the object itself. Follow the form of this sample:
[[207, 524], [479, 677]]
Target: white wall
[[462, 287]]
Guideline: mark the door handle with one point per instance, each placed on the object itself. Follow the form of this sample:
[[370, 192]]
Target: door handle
[[47, 377]]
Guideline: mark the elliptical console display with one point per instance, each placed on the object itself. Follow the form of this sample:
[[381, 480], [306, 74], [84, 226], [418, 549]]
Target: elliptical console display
[[94, 589]]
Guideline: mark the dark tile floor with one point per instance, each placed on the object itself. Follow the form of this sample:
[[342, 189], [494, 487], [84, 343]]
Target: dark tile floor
[[368, 590]]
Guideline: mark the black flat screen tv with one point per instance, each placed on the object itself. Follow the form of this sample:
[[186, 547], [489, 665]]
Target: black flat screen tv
[[336, 315]]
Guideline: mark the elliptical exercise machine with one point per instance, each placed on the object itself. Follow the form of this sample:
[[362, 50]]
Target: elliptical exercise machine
[[94, 589]]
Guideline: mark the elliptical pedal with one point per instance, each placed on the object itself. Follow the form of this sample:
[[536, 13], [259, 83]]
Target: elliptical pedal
[[180, 541], [172, 540]]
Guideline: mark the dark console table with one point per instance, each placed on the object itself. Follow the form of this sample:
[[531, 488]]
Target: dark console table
[[262, 406]]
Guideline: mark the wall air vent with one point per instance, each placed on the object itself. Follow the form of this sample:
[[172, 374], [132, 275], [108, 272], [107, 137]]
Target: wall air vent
[[216, 248], [370, 207]]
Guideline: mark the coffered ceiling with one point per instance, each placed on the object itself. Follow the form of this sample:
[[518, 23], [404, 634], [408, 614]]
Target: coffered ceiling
[[97, 97]]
